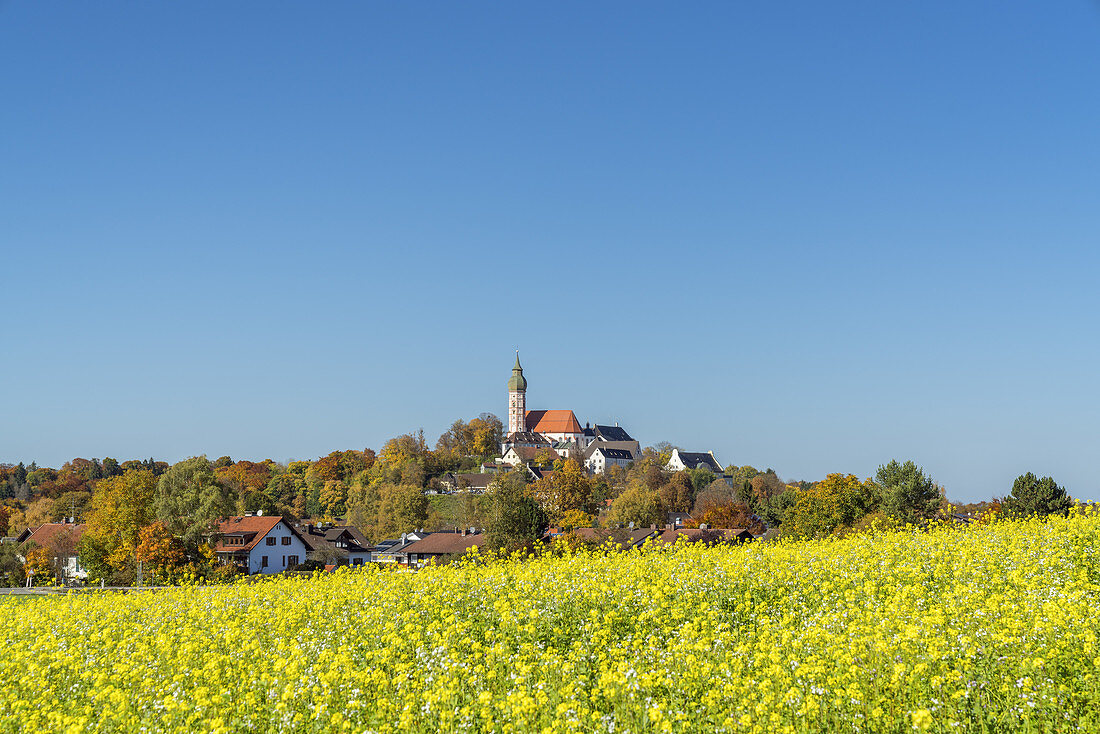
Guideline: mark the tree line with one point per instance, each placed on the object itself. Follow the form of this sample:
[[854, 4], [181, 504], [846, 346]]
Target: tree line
[[166, 515]]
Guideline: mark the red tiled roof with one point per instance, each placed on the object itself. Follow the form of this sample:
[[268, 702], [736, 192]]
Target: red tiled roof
[[552, 421], [261, 526], [44, 535]]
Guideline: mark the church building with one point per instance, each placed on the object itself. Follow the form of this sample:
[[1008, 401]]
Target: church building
[[537, 428]]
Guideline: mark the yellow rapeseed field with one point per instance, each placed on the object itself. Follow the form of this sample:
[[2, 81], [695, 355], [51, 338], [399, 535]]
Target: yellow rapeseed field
[[987, 629]]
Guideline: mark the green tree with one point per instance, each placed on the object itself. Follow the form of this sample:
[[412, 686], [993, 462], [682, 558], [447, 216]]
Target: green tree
[[1033, 496], [190, 500], [907, 493], [514, 518]]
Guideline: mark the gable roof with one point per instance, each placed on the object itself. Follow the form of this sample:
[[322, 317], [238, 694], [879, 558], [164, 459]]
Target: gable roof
[[46, 534], [692, 460], [527, 453], [691, 535], [611, 453], [443, 543], [552, 421], [631, 446], [612, 433], [253, 528], [529, 438], [620, 536]]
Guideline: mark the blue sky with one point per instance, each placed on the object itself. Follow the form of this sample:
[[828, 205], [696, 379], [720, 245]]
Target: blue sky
[[807, 236]]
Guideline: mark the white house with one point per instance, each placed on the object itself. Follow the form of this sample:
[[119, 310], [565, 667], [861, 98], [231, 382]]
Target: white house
[[600, 458], [693, 460], [259, 544]]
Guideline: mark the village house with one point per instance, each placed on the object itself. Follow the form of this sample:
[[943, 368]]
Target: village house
[[601, 458], [335, 544], [681, 460], [60, 539], [259, 544], [394, 550], [438, 547], [457, 482]]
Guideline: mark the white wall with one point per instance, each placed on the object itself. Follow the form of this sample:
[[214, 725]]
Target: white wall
[[276, 554]]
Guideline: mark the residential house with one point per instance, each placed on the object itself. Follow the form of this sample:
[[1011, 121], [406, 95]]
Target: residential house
[[439, 547], [623, 538], [259, 544], [343, 544], [601, 458], [476, 483], [681, 460], [522, 455], [60, 539], [395, 550]]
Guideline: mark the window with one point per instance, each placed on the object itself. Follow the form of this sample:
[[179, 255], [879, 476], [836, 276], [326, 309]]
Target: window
[[263, 562], [286, 540], [292, 560], [270, 541]]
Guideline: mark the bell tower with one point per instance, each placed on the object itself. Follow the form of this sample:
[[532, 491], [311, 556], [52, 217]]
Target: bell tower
[[517, 400]]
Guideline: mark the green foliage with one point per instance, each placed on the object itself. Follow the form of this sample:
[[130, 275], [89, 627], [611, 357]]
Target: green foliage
[[1033, 496], [514, 518], [190, 500], [908, 495]]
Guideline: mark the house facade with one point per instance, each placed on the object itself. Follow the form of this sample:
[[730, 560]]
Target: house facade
[[259, 544], [681, 460], [600, 459], [60, 539]]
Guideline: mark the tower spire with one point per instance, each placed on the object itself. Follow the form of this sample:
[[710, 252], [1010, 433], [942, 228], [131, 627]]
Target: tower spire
[[517, 399]]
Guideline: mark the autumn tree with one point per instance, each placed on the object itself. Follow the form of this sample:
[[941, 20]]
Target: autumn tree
[[678, 493], [121, 506], [833, 503], [730, 515], [402, 507], [567, 489], [334, 498], [161, 552], [639, 505], [190, 500]]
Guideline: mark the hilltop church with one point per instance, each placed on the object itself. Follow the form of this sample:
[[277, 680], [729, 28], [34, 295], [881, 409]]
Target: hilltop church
[[532, 430]]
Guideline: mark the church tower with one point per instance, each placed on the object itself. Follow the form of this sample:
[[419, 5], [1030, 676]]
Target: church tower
[[517, 400]]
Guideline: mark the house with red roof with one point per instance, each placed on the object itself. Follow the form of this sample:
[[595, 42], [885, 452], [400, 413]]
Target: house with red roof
[[259, 544], [60, 539]]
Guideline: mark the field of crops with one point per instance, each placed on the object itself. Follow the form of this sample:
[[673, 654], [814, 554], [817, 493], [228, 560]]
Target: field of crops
[[988, 629]]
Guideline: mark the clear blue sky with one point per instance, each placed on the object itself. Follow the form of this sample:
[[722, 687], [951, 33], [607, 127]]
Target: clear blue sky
[[810, 236]]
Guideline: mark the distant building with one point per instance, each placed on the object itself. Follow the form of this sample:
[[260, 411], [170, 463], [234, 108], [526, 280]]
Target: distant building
[[60, 539], [259, 544], [691, 460], [601, 459], [557, 429], [442, 546]]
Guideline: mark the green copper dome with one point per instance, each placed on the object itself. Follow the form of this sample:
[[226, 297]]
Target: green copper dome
[[517, 382]]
